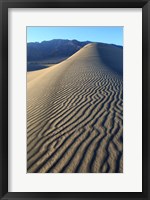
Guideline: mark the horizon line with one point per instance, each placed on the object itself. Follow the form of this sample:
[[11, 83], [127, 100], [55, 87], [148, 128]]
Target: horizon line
[[76, 40]]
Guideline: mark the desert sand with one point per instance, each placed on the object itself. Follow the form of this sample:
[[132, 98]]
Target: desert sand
[[75, 114]]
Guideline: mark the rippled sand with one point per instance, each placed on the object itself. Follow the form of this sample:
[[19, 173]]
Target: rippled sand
[[75, 114]]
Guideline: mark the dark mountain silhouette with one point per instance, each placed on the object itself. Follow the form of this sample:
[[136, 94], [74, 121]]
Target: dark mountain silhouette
[[53, 51], [41, 55]]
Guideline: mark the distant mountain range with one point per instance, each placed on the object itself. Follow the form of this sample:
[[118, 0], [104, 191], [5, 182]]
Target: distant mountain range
[[53, 50], [39, 55]]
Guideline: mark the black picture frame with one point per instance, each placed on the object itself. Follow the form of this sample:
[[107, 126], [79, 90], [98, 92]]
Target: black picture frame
[[4, 6]]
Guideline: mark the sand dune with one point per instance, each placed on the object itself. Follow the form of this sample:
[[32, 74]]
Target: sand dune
[[75, 114]]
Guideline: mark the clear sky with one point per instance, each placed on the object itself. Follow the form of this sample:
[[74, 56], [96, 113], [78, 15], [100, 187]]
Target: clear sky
[[110, 35]]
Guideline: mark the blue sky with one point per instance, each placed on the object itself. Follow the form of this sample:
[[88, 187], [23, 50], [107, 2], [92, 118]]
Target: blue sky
[[110, 35]]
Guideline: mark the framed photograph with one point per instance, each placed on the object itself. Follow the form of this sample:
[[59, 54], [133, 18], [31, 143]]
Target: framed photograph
[[74, 99]]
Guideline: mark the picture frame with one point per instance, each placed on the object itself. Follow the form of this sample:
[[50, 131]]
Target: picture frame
[[4, 96]]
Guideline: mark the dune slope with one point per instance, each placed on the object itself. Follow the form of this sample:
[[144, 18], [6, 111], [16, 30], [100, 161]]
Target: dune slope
[[75, 114]]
